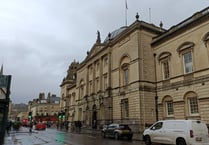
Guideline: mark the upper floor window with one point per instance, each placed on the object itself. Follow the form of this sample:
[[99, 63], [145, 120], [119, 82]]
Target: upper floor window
[[91, 69], [166, 73], [105, 61], [164, 58], [125, 76], [81, 89], [188, 66], [97, 65], [105, 82], [206, 39], [124, 70], [97, 85], [90, 87], [185, 50]]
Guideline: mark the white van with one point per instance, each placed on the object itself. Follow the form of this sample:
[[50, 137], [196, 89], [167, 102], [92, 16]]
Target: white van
[[177, 132]]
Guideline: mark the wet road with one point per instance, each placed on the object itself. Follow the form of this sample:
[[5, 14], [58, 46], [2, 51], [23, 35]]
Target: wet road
[[54, 137]]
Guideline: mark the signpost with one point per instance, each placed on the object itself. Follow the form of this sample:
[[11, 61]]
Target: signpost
[[5, 82]]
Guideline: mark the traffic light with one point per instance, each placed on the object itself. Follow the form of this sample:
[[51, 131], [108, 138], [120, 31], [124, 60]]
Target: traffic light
[[63, 114], [59, 115], [30, 115]]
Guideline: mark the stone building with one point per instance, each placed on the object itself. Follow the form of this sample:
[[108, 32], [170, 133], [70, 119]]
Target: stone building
[[45, 109], [182, 67], [115, 82], [142, 73]]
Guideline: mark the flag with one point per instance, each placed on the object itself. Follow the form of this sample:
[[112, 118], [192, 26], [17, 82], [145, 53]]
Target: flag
[[126, 4]]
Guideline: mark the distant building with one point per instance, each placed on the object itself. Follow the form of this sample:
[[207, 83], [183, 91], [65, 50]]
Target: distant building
[[17, 109], [44, 109]]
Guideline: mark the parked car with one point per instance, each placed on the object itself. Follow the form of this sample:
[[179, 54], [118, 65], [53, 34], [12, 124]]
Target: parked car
[[25, 122], [117, 131], [177, 132], [40, 126]]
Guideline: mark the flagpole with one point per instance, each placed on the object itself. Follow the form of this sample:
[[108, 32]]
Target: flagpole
[[126, 8]]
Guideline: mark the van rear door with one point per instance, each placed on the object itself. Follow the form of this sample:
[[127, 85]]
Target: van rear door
[[199, 132]]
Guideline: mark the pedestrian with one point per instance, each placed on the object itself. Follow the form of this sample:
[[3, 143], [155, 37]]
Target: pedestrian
[[66, 125], [79, 126], [30, 126], [8, 127], [57, 125]]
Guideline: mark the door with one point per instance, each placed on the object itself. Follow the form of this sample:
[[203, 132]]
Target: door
[[94, 117], [157, 133]]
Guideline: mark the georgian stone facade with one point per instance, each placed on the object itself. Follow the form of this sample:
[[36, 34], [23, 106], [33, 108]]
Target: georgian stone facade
[[142, 73], [182, 66]]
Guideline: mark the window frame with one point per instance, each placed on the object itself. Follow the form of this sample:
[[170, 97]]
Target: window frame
[[188, 64], [166, 69], [168, 108], [125, 108], [125, 74], [105, 82], [190, 106]]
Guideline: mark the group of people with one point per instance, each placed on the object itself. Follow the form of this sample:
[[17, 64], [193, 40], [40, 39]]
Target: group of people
[[62, 125], [74, 126]]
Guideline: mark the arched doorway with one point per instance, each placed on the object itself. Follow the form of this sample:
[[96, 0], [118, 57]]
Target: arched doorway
[[94, 116]]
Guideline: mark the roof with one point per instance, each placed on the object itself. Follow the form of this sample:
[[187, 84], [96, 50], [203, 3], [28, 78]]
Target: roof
[[115, 33], [181, 26]]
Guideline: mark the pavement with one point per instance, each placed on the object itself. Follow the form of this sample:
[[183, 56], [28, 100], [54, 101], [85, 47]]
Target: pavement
[[16, 137]]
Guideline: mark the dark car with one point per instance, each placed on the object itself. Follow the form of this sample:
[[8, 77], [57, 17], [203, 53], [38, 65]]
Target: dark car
[[117, 131]]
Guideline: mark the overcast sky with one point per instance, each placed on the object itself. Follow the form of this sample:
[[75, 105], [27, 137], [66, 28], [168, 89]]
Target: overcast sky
[[40, 38]]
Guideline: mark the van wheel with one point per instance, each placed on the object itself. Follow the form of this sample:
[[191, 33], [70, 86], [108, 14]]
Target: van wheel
[[103, 134], [116, 136], [147, 140], [180, 141]]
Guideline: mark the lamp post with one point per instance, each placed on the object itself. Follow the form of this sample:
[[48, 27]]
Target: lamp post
[[5, 82]]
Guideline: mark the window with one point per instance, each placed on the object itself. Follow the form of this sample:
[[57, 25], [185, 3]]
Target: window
[[166, 73], [164, 59], [105, 61], [126, 73], [188, 68], [193, 106], [97, 66], [81, 92], [105, 82], [191, 103], [91, 70], [185, 50], [81, 89], [157, 126], [124, 108], [97, 85], [90, 87], [169, 108], [206, 39]]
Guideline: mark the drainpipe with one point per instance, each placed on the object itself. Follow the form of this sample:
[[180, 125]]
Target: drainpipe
[[156, 97]]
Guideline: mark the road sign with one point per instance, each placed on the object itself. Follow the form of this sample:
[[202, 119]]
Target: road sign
[[4, 81]]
